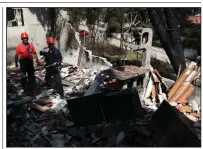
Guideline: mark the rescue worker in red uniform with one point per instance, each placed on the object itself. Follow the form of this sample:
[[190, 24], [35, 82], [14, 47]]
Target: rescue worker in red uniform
[[26, 51], [53, 57]]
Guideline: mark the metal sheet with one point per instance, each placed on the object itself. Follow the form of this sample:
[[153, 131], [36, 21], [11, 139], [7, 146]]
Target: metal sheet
[[171, 129]]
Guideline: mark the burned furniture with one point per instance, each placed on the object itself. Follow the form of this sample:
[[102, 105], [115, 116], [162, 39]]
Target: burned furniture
[[128, 74], [98, 108], [171, 129]]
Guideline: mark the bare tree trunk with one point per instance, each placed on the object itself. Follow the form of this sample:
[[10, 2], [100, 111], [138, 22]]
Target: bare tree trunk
[[175, 35], [173, 50]]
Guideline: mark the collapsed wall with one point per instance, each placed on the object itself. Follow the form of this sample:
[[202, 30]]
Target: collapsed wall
[[67, 40]]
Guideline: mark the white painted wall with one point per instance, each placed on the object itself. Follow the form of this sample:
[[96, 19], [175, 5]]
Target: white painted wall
[[36, 21], [32, 25]]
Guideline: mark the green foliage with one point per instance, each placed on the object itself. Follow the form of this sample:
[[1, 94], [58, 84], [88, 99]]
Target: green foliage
[[191, 32], [156, 43], [115, 19]]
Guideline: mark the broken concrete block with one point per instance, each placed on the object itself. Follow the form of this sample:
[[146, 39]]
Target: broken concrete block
[[44, 131], [64, 75], [58, 105], [191, 117], [152, 108], [68, 83], [173, 104], [195, 107], [20, 92], [119, 138], [79, 87], [148, 102]]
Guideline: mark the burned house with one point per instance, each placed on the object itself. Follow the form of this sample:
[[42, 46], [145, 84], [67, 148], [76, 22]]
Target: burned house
[[104, 106]]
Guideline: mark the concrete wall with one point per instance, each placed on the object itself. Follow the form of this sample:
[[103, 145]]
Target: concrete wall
[[36, 24], [69, 43], [66, 39]]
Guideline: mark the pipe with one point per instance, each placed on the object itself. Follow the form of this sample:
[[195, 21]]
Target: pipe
[[181, 79], [155, 78], [192, 65], [180, 92], [153, 93], [157, 73], [192, 76], [187, 93], [178, 83], [184, 86]]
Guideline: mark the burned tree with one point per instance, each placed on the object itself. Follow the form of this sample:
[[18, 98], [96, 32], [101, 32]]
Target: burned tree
[[169, 35]]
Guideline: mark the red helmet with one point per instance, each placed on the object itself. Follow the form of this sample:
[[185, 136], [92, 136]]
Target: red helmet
[[24, 35], [50, 40]]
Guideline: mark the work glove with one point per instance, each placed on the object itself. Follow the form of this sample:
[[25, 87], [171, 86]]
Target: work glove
[[41, 53], [56, 64]]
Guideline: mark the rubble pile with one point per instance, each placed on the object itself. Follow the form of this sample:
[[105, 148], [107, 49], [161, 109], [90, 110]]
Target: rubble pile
[[104, 108], [181, 95]]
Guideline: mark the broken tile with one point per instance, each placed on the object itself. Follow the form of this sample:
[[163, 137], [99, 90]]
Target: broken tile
[[184, 108], [198, 114], [59, 105]]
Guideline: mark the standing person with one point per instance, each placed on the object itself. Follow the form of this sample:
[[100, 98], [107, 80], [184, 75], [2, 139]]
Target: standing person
[[53, 57], [26, 51]]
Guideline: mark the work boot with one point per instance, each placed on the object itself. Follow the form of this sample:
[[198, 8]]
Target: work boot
[[24, 82]]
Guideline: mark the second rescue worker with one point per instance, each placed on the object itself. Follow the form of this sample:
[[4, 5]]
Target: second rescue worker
[[53, 57], [26, 51]]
